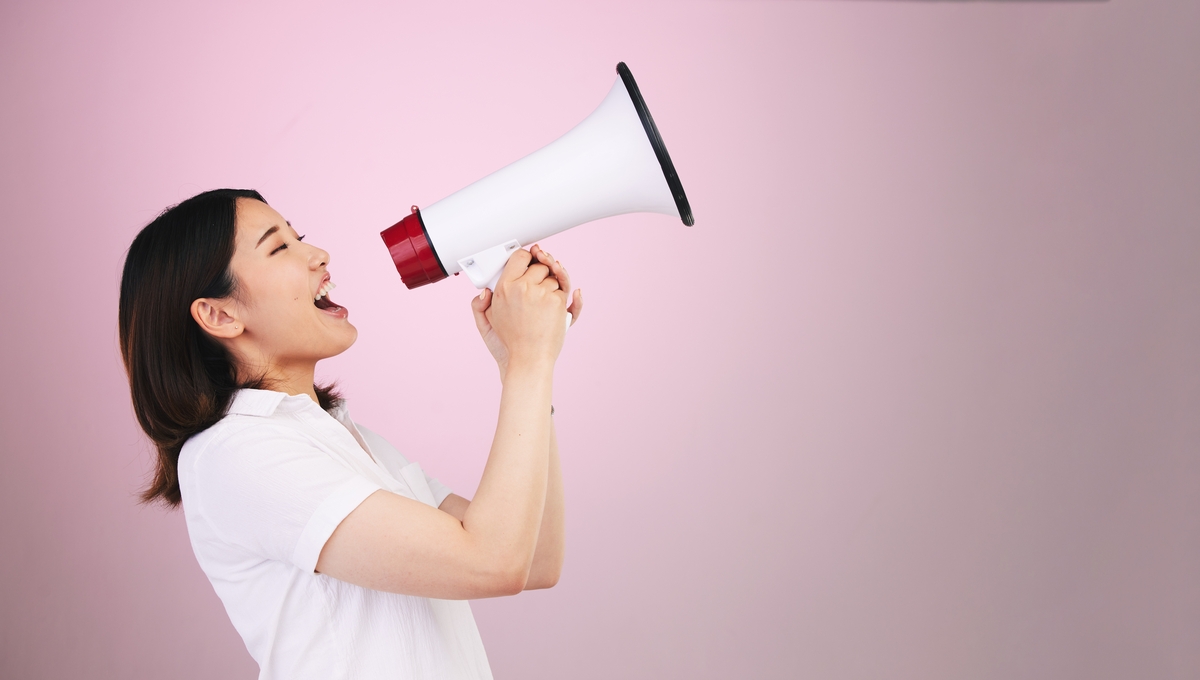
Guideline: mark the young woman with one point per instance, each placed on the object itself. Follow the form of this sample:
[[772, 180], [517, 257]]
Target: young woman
[[334, 555]]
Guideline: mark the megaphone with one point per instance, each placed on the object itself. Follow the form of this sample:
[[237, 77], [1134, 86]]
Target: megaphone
[[612, 163]]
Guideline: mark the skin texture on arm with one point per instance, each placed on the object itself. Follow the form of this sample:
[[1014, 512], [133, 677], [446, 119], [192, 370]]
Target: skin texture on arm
[[551, 542], [549, 553]]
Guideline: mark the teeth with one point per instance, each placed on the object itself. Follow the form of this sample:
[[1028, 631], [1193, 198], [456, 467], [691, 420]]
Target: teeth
[[324, 290]]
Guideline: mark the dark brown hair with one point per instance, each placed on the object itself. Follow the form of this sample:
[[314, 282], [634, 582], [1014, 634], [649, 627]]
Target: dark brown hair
[[181, 379]]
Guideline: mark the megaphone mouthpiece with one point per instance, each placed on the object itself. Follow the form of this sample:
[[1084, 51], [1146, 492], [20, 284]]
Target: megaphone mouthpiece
[[612, 163], [413, 254]]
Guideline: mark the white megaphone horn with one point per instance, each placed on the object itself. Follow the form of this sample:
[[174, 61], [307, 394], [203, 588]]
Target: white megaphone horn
[[612, 163]]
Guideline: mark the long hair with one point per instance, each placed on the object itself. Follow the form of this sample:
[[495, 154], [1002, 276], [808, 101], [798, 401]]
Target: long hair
[[181, 379]]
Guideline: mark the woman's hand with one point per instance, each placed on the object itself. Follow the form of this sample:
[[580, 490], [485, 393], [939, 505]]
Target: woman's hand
[[524, 270]]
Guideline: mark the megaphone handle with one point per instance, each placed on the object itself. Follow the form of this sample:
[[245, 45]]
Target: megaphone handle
[[491, 285], [484, 268]]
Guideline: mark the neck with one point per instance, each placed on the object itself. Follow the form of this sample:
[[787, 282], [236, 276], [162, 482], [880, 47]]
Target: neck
[[294, 380], [290, 378]]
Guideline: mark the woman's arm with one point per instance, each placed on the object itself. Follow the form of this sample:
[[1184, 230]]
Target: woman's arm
[[550, 550], [551, 541], [548, 555], [396, 544]]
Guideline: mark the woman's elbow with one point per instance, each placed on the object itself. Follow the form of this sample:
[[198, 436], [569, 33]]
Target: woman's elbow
[[506, 581], [514, 583], [542, 583], [511, 582], [519, 575], [547, 578]]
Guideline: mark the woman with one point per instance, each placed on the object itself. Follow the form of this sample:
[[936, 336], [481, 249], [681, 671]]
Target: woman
[[335, 556]]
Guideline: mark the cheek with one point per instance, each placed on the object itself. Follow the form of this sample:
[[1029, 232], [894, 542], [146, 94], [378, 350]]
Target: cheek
[[278, 304]]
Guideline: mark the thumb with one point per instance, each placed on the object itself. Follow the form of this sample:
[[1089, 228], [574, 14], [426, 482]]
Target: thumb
[[576, 305]]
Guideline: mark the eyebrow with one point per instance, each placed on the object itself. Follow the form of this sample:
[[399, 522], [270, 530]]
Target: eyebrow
[[268, 232]]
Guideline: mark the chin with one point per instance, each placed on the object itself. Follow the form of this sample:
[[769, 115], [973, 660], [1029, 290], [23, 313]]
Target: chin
[[352, 335], [339, 343]]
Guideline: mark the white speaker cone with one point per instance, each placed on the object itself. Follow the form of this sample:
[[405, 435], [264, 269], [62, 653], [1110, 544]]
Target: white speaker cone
[[612, 163]]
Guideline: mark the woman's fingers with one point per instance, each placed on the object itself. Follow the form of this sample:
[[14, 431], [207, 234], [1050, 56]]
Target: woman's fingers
[[536, 273], [516, 266], [479, 306], [524, 313], [576, 305], [558, 274], [557, 270]]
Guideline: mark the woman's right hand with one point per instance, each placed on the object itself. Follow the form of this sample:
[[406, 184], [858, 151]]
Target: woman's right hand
[[525, 315]]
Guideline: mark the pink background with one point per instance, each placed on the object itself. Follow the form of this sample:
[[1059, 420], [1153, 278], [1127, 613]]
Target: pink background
[[916, 397]]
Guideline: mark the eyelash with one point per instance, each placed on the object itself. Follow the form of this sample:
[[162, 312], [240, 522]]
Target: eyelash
[[282, 246]]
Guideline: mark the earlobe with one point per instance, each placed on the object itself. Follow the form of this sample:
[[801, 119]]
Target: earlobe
[[214, 318]]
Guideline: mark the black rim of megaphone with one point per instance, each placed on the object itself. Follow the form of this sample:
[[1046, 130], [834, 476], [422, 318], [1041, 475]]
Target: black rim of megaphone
[[660, 149]]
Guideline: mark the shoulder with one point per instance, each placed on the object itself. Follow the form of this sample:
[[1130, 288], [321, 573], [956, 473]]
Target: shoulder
[[240, 448], [250, 417], [237, 432]]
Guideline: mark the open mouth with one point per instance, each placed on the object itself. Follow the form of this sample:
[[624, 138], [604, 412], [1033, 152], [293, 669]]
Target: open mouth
[[323, 303]]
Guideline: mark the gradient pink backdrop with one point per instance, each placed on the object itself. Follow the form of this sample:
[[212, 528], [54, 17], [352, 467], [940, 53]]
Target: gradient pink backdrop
[[917, 397]]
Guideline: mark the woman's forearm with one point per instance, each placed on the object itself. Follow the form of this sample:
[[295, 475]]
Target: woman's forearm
[[506, 513], [551, 541]]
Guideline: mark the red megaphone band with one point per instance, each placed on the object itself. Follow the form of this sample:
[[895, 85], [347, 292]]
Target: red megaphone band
[[412, 252]]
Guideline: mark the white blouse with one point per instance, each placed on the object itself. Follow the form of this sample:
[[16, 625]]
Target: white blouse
[[263, 489]]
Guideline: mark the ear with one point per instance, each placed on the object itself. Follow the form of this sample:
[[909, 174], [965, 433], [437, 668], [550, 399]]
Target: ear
[[218, 318]]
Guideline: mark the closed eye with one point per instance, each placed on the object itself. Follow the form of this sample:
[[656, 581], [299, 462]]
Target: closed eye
[[284, 245]]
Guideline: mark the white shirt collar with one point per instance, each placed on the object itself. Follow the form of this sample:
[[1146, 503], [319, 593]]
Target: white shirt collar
[[263, 403]]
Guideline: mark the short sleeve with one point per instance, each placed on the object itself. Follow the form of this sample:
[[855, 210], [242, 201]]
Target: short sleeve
[[274, 492], [391, 458]]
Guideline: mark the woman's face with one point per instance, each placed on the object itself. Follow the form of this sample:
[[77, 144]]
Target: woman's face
[[279, 277]]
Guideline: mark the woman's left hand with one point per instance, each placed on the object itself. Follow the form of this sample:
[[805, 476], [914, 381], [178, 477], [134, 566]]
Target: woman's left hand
[[480, 304]]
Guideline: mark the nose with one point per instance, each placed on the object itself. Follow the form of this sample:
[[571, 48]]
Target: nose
[[317, 258]]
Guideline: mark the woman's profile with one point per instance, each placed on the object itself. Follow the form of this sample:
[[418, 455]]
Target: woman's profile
[[335, 555]]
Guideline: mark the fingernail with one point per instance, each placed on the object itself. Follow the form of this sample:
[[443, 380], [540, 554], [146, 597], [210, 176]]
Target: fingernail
[[482, 293]]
